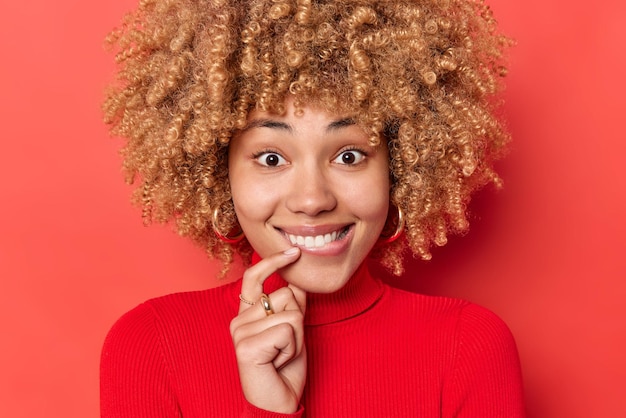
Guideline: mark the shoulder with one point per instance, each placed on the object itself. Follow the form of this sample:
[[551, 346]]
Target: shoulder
[[216, 304], [176, 313], [481, 373], [462, 327], [484, 374], [455, 309], [427, 307], [481, 327]]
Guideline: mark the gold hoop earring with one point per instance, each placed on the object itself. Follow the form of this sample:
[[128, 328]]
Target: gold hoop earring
[[399, 229], [224, 238]]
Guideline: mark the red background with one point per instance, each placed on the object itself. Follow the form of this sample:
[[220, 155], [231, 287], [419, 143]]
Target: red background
[[545, 253]]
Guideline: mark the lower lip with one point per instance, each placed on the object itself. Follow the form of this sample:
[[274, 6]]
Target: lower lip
[[334, 248]]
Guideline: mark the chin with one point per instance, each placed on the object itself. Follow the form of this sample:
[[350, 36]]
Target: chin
[[315, 278]]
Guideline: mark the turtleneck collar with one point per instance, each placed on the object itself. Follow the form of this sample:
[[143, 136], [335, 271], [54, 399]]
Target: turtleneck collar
[[359, 294]]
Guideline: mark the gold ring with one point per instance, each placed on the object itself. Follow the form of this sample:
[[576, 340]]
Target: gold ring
[[267, 305], [241, 298]]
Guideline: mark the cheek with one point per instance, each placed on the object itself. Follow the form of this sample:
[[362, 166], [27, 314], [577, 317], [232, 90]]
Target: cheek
[[378, 209], [243, 189], [254, 204], [370, 202], [374, 194]]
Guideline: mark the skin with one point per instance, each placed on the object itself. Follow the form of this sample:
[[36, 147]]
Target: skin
[[312, 196]]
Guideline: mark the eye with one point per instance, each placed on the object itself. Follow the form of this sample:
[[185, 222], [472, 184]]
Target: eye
[[270, 159], [350, 157]]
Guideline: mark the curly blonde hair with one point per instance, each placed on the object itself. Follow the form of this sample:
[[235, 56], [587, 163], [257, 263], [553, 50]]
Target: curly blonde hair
[[419, 74]]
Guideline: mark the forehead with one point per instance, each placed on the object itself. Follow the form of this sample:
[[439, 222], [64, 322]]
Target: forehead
[[312, 115], [305, 112]]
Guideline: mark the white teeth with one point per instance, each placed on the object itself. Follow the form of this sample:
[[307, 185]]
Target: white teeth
[[317, 241]]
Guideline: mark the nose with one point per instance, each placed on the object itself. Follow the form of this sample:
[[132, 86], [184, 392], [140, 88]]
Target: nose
[[310, 192]]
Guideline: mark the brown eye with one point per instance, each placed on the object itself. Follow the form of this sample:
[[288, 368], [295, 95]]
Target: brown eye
[[350, 157], [270, 159]]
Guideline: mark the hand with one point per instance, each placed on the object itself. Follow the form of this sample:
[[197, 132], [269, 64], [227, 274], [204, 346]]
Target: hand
[[270, 350]]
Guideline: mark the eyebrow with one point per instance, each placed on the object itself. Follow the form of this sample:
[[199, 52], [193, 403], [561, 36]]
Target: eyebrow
[[267, 123], [341, 123], [273, 124]]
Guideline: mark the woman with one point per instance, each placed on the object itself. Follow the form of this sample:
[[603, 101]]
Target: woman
[[308, 136]]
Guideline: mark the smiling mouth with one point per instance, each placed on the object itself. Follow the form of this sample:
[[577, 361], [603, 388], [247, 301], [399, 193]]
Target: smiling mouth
[[317, 241]]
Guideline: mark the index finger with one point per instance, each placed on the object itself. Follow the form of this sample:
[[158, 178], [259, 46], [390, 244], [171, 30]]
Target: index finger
[[300, 296], [255, 276]]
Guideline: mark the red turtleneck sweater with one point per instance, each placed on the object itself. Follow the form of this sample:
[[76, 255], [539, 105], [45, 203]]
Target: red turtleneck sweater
[[373, 351]]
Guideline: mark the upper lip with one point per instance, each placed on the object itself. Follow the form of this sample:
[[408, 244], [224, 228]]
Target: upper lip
[[312, 231]]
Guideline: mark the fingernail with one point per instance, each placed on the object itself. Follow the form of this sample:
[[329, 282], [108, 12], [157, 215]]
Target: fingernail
[[291, 251]]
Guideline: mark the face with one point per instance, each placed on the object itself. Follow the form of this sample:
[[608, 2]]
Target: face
[[311, 181]]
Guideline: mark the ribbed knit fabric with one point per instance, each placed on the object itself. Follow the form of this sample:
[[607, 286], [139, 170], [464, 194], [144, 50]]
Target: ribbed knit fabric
[[373, 351]]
